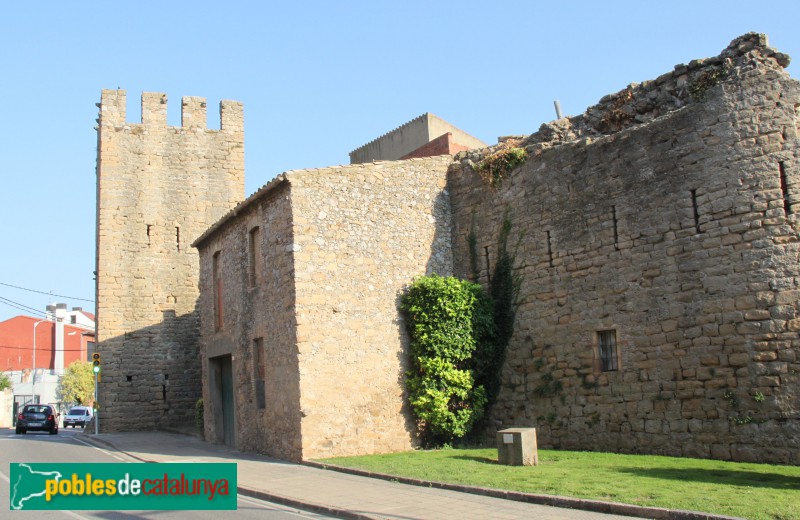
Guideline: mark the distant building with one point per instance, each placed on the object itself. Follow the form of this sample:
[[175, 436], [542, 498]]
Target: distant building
[[34, 366], [423, 136]]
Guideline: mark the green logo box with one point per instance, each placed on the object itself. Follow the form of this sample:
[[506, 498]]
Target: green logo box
[[122, 486]]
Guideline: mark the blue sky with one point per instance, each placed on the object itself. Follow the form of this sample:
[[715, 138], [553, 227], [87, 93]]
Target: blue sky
[[317, 79]]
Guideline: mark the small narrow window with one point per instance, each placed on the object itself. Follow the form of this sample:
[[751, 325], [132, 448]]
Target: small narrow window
[[787, 206], [148, 234], [178, 238], [695, 212], [607, 350], [549, 249], [259, 372], [488, 266], [254, 258], [217, 290], [616, 230]]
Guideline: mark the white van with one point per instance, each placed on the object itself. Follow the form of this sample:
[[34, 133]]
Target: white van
[[78, 415]]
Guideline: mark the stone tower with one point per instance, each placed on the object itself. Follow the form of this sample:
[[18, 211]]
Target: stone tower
[[158, 188]]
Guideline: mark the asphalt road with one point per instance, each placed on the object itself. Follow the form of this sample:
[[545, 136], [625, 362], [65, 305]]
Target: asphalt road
[[67, 447]]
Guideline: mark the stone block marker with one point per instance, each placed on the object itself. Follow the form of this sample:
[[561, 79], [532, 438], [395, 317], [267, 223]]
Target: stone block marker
[[517, 447]]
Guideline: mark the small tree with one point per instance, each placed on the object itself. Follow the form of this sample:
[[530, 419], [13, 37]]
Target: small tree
[[444, 329], [5, 381], [76, 384]]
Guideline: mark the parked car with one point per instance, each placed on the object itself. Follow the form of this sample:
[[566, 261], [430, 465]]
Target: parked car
[[78, 416], [38, 417]]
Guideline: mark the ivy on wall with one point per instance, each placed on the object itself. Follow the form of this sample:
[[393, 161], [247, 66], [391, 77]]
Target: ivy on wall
[[459, 336], [447, 319], [503, 289]]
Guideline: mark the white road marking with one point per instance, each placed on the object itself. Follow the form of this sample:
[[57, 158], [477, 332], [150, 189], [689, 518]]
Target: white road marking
[[99, 449]]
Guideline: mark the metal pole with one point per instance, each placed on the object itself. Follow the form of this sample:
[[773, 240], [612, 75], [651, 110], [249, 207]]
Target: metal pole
[[33, 376], [557, 104], [96, 409]]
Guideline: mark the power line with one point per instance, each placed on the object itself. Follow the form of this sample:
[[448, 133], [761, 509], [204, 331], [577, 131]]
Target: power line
[[21, 307], [48, 293]]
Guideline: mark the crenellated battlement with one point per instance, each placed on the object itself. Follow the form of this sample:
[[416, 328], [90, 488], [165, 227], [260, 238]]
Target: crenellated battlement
[[113, 105]]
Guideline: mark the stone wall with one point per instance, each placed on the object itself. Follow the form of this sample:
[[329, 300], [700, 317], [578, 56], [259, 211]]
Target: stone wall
[[159, 187], [339, 245], [665, 216], [257, 304], [362, 233]]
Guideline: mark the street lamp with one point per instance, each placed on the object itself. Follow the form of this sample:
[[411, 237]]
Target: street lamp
[[33, 380]]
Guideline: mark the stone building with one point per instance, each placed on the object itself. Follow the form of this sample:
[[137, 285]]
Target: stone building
[[655, 238], [158, 188], [299, 286]]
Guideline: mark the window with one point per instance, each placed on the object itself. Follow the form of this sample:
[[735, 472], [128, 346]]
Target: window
[[254, 258], [217, 290], [259, 371], [607, 350]]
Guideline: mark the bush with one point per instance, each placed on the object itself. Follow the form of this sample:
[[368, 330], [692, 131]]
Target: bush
[[199, 414], [446, 318], [5, 381]]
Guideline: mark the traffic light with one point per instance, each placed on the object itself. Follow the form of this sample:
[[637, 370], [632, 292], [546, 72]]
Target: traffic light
[[96, 362]]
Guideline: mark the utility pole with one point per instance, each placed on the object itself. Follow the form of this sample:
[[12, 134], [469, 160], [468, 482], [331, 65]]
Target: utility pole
[[33, 375]]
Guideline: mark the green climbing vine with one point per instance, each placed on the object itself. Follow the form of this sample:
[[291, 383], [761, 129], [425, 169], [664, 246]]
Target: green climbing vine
[[503, 289], [446, 319], [459, 336]]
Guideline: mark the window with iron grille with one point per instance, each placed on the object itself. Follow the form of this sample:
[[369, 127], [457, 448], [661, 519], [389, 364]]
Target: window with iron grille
[[607, 347], [259, 371]]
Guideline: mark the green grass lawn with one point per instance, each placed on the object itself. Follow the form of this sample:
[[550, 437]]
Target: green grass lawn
[[754, 491]]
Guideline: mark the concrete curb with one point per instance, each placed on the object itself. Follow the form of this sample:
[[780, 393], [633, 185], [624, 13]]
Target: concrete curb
[[595, 506], [254, 493]]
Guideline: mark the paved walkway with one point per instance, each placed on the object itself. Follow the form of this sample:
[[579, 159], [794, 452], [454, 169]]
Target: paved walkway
[[335, 493]]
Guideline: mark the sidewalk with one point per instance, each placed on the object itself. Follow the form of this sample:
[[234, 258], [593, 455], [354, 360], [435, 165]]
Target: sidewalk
[[351, 496]]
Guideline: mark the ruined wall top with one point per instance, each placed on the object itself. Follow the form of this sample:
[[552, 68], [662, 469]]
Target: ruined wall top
[[154, 111], [640, 103]]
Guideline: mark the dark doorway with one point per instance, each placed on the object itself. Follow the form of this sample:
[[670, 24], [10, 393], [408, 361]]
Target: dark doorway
[[221, 371]]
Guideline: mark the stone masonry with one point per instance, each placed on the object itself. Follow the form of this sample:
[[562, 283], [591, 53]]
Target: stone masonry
[[159, 187], [663, 222], [655, 239], [335, 247]]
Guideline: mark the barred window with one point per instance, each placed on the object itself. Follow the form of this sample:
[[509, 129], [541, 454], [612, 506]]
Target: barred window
[[259, 372], [607, 349]]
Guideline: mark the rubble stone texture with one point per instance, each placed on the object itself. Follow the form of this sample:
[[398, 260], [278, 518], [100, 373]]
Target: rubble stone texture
[[337, 247], [670, 220], [663, 220], [159, 187]]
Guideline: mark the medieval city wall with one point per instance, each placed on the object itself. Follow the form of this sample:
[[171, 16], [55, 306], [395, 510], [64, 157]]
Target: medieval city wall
[[159, 188], [361, 234], [664, 218]]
